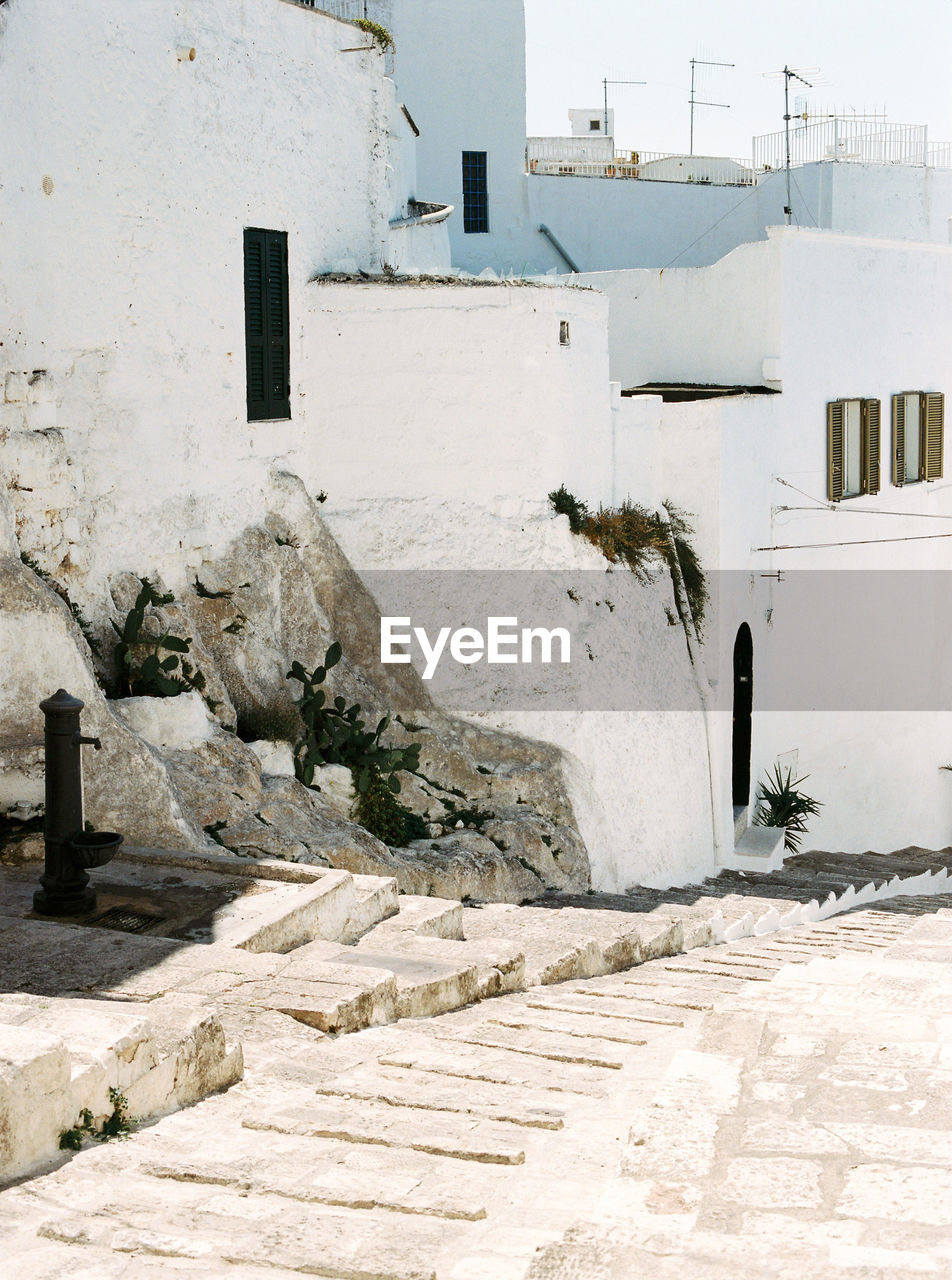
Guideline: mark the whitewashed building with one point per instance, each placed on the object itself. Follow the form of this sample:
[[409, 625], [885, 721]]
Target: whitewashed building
[[802, 386], [178, 176], [605, 207]]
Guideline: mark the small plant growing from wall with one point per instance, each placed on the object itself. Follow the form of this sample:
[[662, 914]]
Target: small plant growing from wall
[[153, 666], [630, 534], [780, 803], [117, 1125], [335, 734], [381, 36]]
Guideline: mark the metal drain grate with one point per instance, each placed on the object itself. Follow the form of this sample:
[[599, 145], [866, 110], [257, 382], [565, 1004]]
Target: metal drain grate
[[126, 919]]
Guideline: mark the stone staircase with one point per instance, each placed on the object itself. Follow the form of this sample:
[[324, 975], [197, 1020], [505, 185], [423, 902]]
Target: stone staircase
[[557, 1132], [337, 953]]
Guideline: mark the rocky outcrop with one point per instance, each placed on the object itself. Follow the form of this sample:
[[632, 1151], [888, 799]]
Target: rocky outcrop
[[179, 775]]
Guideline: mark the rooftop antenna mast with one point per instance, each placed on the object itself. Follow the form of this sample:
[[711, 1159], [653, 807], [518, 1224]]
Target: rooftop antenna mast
[[605, 84], [789, 74], [699, 102]]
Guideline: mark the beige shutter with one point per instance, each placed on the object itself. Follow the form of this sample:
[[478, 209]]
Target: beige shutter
[[835, 427], [899, 440], [933, 412], [871, 416]]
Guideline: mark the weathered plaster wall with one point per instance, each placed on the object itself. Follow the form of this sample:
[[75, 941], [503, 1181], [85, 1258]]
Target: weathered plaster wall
[[127, 183], [636, 761], [465, 391]]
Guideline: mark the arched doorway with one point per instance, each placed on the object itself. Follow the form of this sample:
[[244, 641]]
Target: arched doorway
[[743, 707]]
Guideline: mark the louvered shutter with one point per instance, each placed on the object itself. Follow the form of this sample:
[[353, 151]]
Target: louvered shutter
[[933, 407], [871, 418], [266, 324], [277, 282], [255, 347], [899, 440], [835, 428]]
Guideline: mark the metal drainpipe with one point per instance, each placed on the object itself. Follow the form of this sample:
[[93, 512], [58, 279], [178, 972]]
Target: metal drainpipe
[[705, 692], [553, 240]]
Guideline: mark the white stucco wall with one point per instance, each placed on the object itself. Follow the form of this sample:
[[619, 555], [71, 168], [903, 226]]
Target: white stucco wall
[[838, 316], [464, 391], [607, 224], [461, 71], [636, 762], [660, 326], [127, 183]]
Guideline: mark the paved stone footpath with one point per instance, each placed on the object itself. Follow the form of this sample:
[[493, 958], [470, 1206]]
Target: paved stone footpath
[[774, 1106]]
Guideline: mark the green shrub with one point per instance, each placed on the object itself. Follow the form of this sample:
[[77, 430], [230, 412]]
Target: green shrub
[[334, 734], [781, 804], [379, 811]]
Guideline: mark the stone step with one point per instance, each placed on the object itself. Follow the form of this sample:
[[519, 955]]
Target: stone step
[[601, 1005], [407, 1188], [567, 943], [244, 1229], [376, 898], [425, 984], [332, 997], [551, 1046], [500, 965], [299, 914], [496, 1065], [348, 1120], [402, 1087], [60, 1058], [578, 1026], [429, 917]]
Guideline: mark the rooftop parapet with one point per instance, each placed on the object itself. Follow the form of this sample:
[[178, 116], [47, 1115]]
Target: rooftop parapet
[[843, 138], [597, 158]]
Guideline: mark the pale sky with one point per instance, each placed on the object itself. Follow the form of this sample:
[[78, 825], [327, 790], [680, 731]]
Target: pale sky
[[870, 56]]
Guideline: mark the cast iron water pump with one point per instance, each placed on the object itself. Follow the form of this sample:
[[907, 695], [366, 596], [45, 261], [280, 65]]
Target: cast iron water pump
[[69, 848]]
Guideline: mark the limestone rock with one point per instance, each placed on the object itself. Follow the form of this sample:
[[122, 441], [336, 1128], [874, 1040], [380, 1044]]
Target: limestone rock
[[336, 785], [555, 852], [277, 758], [167, 723], [127, 788], [280, 592]]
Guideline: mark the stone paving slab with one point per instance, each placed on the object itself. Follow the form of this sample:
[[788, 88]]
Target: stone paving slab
[[845, 1167], [729, 1062]]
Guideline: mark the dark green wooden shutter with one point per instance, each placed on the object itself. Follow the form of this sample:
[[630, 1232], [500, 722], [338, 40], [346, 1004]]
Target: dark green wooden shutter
[[933, 412], [870, 433], [899, 440], [835, 453], [267, 346]]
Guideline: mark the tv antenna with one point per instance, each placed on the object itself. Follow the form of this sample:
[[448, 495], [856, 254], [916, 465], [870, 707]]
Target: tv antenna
[[699, 102], [790, 73], [605, 84]]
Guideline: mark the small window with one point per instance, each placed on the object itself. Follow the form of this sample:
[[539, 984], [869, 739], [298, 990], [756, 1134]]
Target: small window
[[918, 429], [267, 344], [565, 336], [595, 126], [475, 192], [852, 448]]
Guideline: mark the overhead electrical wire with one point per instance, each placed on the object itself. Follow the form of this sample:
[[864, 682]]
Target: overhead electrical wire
[[858, 542], [733, 209]]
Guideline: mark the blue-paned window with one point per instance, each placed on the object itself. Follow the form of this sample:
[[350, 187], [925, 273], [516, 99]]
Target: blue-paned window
[[475, 194]]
